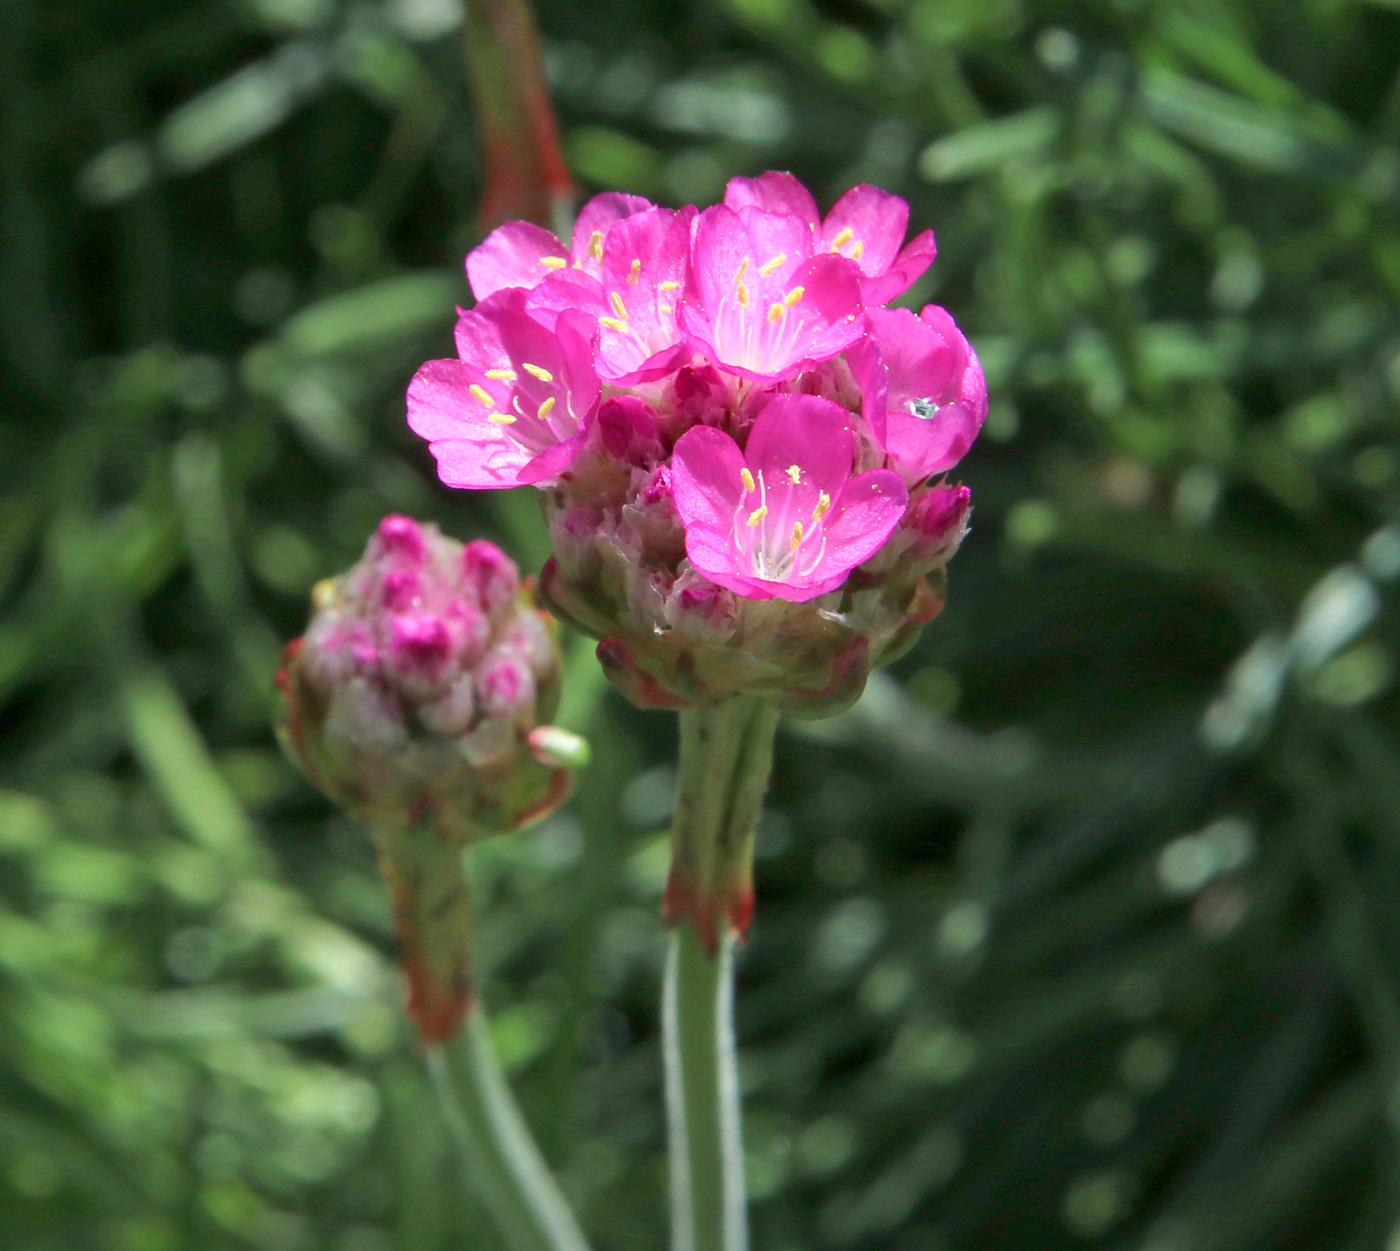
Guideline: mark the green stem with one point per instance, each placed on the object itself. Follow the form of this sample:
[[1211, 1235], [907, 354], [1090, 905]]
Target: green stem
[[702, 1096], [502, 1161], [726, 756]]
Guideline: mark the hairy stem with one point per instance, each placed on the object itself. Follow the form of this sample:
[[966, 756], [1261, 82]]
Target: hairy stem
[[501, 1159]]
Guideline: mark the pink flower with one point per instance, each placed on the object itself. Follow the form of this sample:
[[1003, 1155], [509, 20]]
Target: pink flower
[[520, 254], [515, 408], [633, 296], [760, 304], [924, 393], [866, 224], [784, 517]]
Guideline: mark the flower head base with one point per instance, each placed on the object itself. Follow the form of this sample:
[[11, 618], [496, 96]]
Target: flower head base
[[735, 441], [416, 701]]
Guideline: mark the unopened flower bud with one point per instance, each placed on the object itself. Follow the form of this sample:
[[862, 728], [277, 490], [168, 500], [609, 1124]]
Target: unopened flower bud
[[414, 700]]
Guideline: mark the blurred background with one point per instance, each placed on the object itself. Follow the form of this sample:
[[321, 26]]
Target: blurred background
[[1081, 930]]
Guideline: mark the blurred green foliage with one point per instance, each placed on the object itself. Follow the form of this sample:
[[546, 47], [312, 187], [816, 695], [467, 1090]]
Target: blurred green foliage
[[1079, 931]]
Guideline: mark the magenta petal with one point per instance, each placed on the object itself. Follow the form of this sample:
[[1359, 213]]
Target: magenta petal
[[713, 555], [807, 431], [553, 460], [706, 479], [904, 271], [868, 511], [596, 219], [774, 192], [513, 255], [569, 288], [629, 430], [867, 225]]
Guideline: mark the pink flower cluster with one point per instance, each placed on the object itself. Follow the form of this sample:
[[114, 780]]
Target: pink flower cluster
[[419, 683], [720, 413]]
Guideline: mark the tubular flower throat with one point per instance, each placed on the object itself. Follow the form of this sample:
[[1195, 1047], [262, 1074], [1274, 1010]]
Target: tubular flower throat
[[740, 450]]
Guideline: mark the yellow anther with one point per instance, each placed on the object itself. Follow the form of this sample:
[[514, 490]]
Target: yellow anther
[[500, 419], [612, 323], [747, 477], [794, 472], [743, 296], [757, 515], [618, 306], [537, 371], [794, 295], [636, 269], [775, 312], [739, 283], [669, 285], [842, 239], [796, 536], [823, 506], [501, 375], [482, 394], [664, 308], [595, 245], [554, 262], [743, 267], [857, 250], [546, 408], [769, 266]]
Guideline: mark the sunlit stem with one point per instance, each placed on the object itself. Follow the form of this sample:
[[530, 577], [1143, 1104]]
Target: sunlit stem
[[500, 1157], [726, 756], [708, 1209]]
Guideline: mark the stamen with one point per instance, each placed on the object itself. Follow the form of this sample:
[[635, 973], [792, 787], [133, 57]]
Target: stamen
[[796, 535], [612, 323], [739, 283], [617, 305], [482, 394], [554, 262], [501, 419], [747, 477], [545, 408], [501, 375], [669, 285], [664, 308], [595, 245], [537, 371], [775, 312], [794, 295], [636, 269], [857, 250], [794, 472], [842, 239], [769, 266], [757, 515], [823, 506]]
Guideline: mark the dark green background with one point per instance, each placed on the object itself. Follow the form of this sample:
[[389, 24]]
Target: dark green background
[[1066, 936]]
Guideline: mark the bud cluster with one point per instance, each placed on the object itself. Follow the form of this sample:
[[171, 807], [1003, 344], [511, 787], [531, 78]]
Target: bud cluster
[[739, 446], [419, 684]]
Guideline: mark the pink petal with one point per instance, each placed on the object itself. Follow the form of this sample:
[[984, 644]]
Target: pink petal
[[865, 516], [906, 269], [774, 192], [569, 288], [629, 430], [803, 430], [597, 218], [713, 555], [867, 225], [644, 272], [706, 479], [513, 255], [760, 307]]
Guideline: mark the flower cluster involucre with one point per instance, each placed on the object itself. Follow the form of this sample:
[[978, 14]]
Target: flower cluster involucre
[[736, 441]]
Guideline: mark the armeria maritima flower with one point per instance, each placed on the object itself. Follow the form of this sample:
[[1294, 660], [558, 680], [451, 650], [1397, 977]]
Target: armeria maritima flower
[[417, 700], [738, 445]]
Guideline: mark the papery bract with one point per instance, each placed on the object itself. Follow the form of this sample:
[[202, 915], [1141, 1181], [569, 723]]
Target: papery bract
[[784, 517], [514, 409]]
